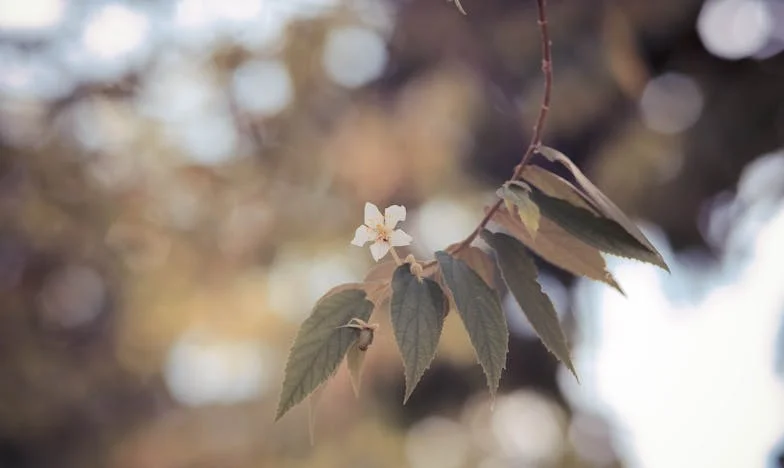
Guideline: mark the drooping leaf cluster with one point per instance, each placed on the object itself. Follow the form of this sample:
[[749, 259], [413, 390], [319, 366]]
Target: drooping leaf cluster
[[566, 223]]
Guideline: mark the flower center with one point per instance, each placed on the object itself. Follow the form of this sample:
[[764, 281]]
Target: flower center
[[382, 234]]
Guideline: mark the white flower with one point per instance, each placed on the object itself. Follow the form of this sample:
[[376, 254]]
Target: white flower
[[381, 230]]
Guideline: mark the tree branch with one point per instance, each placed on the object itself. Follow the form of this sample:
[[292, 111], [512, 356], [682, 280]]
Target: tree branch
[[536, 138]]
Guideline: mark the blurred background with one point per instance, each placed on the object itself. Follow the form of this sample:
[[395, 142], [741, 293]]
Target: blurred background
[[180, 180]]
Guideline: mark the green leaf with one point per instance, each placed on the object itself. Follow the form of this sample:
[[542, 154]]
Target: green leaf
[[355, 361], [602, 233], [560, 248], [602, 203], [417, 312], [517, 194], [321, 344], [480, 310], [520, 274]]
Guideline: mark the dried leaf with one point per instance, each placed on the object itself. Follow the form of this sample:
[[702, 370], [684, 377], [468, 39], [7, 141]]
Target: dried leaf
[[341, 288], [313, 401], [438, 277], [377, 292], [477, 259], [417, 313], [555, 186], [480, 310], [460, 7], [602, 203], [321, 344], [602, 233], [519, 272], [355, 361], [517, 195], [377, 282], [560, 248], [381, 272]]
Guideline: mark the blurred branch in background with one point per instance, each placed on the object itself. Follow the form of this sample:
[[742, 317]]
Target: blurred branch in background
[[179, 181]]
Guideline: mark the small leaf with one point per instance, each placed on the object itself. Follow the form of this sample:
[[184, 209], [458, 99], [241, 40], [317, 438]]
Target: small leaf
[[355, 361], [602, 233], [480, 310], [520, 274], [518, 194], [321, 344], [417, 313], [602, 203], [560, 248]]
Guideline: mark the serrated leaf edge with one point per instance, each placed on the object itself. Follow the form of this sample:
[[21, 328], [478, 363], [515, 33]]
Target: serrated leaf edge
[[493, 386], [411, 384], [489, 237]]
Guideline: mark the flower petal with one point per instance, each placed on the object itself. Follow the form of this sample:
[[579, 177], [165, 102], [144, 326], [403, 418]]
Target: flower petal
[[379, 249], [399, 237], [373, 216], [393, 215], [363, 235]]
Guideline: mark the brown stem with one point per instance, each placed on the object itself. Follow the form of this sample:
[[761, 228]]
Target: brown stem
[[536, 138]]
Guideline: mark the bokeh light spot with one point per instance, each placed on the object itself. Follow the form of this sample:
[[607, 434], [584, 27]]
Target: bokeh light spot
[[263, 87], [671, 103], [30, 16], [202, 370], [72, 296], [297, 280], [208, 139], [528, 428], [354, 56], [735, 29], [440, 222], [114, 31], [437, 441]]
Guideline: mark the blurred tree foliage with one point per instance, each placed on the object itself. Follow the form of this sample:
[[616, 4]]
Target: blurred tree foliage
[[109, 252]]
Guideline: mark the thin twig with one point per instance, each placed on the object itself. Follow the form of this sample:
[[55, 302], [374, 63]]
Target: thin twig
[[536, 138]]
